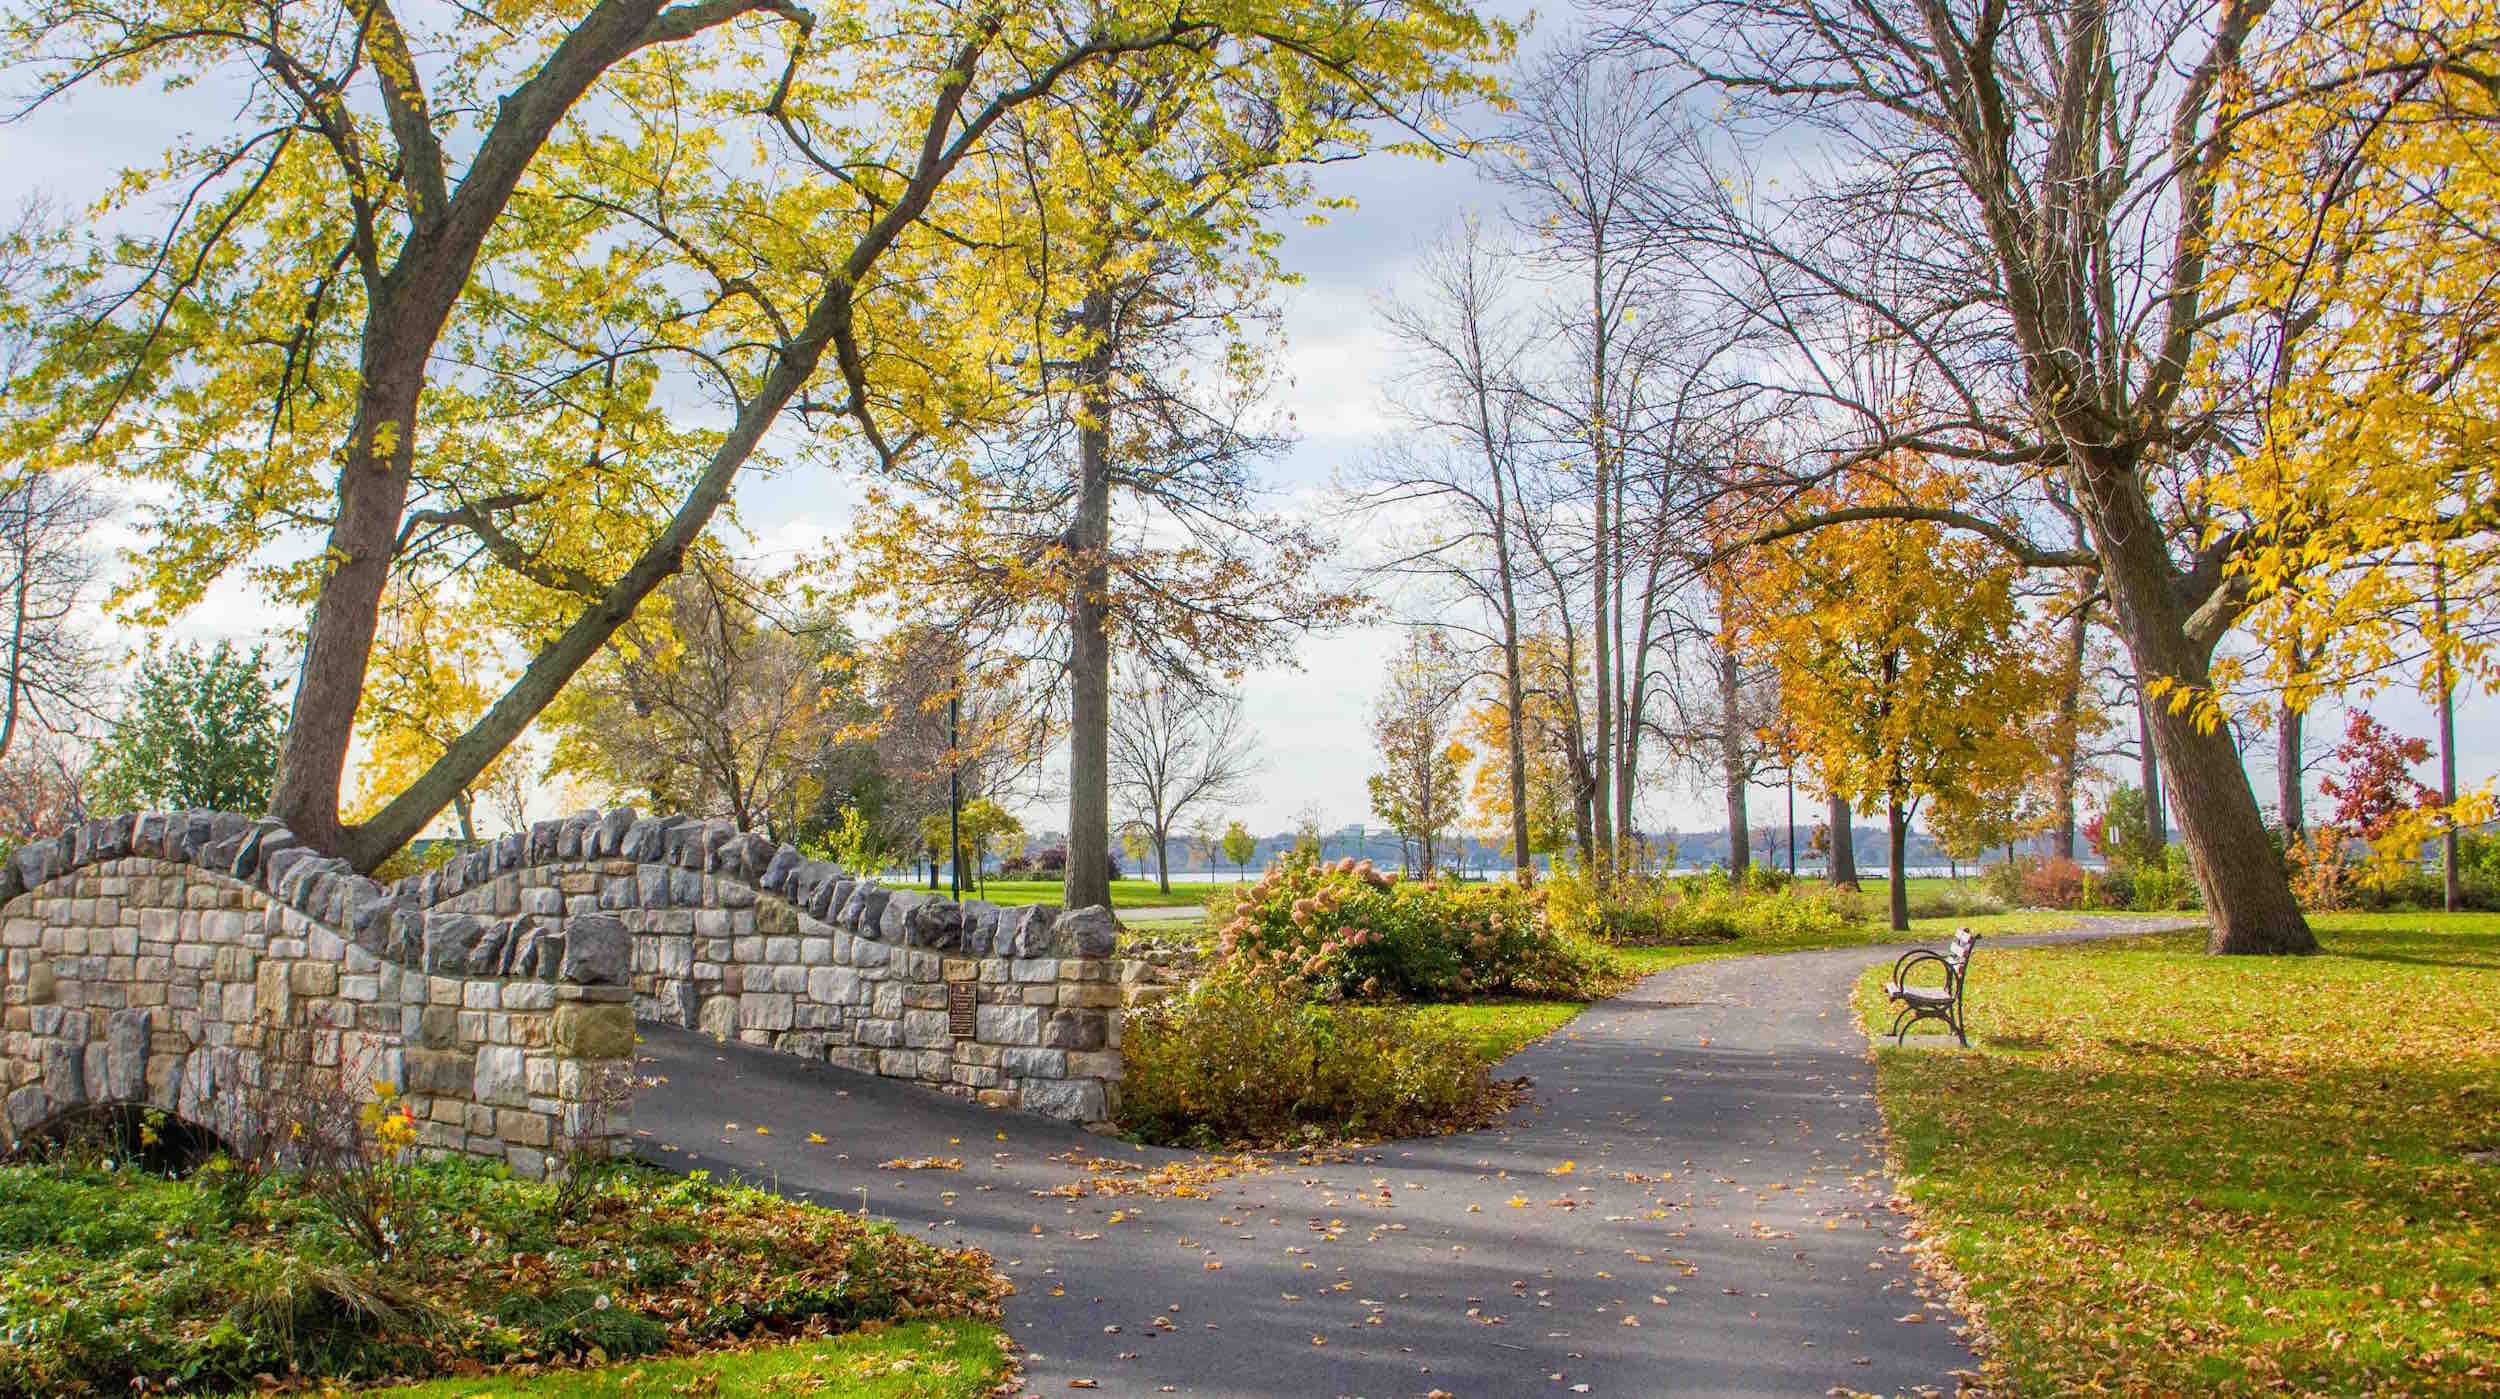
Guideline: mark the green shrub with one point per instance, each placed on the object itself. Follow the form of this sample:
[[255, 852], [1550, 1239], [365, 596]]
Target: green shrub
[[1956, 901], [2165, 885], [1344, 931], [1641, 909], [2110, 888], [1242, 1061]]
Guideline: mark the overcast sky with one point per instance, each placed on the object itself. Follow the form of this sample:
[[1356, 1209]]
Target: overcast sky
[[1310, 719]]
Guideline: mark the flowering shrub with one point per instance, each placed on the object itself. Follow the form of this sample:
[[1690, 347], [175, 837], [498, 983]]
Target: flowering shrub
[[1345, 931], [1241, 1060]]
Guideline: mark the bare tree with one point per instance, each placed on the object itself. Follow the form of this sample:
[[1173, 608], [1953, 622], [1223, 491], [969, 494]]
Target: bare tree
[[716, 710], [1584, 155], [1173, 749], [1461, 465], [48, 663], [2038, 185]]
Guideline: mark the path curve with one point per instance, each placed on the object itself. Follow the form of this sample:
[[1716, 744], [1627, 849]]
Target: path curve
[[1721, 1228]]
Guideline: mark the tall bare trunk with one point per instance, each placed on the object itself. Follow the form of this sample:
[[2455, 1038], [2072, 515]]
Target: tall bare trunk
[[1899, 819], [2070, 714], [2452, 885], [1602, 630], [1732, 767], [2148, 776], [1088, 878], [1844, 867], [2290, 734]]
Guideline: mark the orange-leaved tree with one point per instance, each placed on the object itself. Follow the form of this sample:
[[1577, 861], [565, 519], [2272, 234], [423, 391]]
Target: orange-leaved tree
[[1909, 668]]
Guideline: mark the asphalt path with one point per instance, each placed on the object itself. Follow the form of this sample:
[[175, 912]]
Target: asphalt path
[[1691, 1200]]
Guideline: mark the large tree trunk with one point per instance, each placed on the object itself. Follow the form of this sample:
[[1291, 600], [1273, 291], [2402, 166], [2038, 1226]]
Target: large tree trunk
[[1899, 819], [338, 638], [1089, 644], [1844, 865], [1733, 769], [2245, 893]]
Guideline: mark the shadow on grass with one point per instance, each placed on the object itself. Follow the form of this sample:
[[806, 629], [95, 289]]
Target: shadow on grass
[[2260, 1224]]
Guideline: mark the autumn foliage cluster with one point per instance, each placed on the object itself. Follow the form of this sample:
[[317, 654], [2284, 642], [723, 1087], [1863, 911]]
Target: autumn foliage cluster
[[115, 1280], [1345, 931], [1242, 1060]]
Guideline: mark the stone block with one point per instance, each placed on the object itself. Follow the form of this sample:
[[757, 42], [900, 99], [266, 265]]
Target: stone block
[[926, 1029], [597, 951], [878, 1033], [502, 1076], [438, 1027], [1070, 1100], [1076, 1029], [440, 1073], [604, 1031], [1035, 1063], [126, 1055], [1087, 932], [766, 1012]]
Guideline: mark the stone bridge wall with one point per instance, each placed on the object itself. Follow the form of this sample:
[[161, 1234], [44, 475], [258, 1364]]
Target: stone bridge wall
[[153, 960], [148, 957], [748, 941]]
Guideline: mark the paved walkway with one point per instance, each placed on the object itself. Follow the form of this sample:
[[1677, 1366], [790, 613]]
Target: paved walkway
[[1691, 1203]]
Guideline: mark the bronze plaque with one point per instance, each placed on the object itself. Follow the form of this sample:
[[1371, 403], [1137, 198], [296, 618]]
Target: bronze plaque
[[959, 1015]]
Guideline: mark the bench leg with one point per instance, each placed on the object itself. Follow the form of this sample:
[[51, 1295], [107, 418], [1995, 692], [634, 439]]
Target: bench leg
[[1901, 1024], [1955, 1020]]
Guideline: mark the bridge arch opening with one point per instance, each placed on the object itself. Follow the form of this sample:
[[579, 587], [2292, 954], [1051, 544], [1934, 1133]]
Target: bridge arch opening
[[131, 1134]]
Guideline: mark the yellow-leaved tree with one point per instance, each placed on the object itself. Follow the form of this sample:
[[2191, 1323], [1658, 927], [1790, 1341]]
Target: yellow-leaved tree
[[511, 293], [436, 666], [2360, 227]]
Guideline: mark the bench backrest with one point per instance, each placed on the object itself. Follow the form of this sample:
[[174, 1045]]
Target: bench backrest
[[1958, 952]]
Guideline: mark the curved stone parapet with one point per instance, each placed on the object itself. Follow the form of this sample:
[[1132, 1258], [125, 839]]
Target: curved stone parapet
[[751, 941], [152, 960], [144, 953]]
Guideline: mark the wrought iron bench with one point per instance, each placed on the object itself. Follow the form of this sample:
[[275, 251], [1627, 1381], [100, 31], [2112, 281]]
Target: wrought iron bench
[[1932, 1002]]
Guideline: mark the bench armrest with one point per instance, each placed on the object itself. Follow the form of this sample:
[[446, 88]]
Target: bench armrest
[[1912, 958]]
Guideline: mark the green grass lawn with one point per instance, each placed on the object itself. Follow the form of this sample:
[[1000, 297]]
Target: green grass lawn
[[916, 1360], [1125, 893], [2167, 1173], [1501, 1027]]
